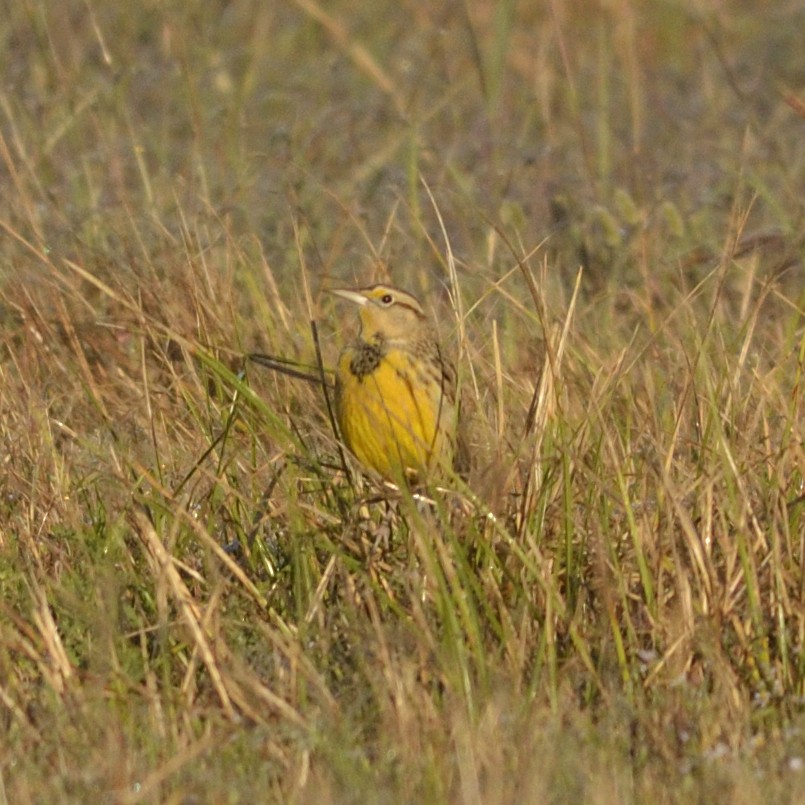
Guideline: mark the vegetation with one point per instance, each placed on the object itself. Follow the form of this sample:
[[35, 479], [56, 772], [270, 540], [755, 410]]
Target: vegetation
[[602, 205]]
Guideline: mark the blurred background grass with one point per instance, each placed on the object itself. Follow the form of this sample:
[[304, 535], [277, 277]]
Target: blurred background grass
[[615, 611]]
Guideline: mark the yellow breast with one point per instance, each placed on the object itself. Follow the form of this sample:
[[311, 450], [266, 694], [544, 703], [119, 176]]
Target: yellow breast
[[390, 417]]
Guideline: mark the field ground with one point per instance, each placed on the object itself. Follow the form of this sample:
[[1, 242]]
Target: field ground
[[602, 205]]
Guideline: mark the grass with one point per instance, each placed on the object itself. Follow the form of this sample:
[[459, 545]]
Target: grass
[[601, 205]]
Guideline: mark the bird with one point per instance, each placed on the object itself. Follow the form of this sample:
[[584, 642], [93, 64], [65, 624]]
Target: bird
[[395, 391]]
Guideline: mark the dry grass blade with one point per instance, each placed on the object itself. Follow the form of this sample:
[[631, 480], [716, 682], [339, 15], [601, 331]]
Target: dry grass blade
[[191, 613], [58, 668], [199, 603], [362, 58], [543, 402]]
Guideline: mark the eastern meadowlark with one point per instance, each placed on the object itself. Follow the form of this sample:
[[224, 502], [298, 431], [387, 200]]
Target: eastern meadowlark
[[395, 392]]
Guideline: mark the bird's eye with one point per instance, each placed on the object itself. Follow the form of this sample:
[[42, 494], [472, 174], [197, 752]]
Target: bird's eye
[[386, 299]]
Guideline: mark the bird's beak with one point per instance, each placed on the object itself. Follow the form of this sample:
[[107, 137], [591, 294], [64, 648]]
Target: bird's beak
[[351, 296]]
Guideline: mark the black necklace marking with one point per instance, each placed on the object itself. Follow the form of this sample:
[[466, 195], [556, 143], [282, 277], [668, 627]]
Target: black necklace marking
[[367, 358]]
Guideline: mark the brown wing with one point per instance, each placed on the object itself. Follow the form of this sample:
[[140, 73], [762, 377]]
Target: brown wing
[[453, 405]]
